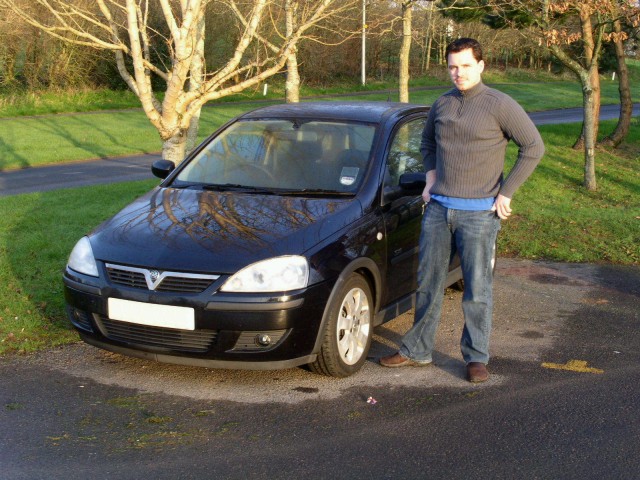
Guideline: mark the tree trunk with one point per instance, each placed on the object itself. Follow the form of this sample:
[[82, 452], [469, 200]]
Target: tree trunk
[[9, 75], [196, 77], [292, 83], [595, 101], [626, 103], [175, 148], [591, 62], [405, 48], [589, 130], [430, 30]]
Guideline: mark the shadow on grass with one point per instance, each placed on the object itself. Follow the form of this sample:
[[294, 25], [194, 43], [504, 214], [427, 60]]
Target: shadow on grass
[[88, 124], [9, 155], [37, 141]]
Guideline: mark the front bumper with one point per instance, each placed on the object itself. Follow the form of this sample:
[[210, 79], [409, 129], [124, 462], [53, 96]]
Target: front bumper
[[248, 331]]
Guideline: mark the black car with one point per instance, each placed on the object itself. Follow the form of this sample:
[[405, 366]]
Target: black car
[[281, 241]]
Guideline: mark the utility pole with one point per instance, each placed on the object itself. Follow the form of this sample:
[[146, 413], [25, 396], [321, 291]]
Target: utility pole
[[364, 42]]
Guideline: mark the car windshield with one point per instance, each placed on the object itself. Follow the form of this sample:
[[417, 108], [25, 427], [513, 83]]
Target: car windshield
[[288, 156]]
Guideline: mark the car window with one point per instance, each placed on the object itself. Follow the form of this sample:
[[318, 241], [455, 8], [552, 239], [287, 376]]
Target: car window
[[285, 154], [404, 154]]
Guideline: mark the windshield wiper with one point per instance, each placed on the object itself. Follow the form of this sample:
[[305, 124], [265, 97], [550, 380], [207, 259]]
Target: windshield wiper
[[315, 192], [182, 186], [235, 187]]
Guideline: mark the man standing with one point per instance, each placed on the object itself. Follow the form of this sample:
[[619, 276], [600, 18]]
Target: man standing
[[464, 144]]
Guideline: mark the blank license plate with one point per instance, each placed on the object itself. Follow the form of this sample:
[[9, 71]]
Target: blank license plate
[[167, 316]]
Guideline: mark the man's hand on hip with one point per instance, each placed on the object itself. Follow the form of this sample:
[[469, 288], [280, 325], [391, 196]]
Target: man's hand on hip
[[430, 179], [426, 196], [502, 207]]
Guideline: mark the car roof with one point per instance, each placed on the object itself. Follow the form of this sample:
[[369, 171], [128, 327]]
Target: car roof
[[367, 111]]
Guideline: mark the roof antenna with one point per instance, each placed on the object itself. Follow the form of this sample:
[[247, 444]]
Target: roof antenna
[[389, 96]]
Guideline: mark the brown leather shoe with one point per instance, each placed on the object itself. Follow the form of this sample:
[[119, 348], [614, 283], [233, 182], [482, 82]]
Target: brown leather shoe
[[477, 372], [397, 360]]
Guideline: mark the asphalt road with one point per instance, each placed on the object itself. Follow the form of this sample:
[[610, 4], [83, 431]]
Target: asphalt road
[[562, 402], [110, 170]]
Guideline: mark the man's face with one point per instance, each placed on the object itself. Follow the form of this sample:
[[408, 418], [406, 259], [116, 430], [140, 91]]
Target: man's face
[[464, 69]]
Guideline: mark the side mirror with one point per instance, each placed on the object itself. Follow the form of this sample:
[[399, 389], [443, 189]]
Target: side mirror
[[409, 185], [412, 183], [162, 168]]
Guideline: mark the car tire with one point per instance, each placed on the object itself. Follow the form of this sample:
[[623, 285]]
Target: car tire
[[348, 329]]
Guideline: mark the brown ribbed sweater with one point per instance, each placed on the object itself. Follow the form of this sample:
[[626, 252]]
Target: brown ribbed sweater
[[465, 139]]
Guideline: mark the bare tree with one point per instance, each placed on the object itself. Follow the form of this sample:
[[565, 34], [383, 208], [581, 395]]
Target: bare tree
[[428, 36], [124, 27], [626, 103], [388, 22], [594, 17]]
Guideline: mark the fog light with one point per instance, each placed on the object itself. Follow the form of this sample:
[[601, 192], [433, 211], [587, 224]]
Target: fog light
[[79, 318], [263, 340]]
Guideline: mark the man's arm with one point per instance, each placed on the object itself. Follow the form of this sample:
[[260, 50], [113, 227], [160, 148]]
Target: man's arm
[[431, 179], [428, 142], [428, 150], [518, 127]]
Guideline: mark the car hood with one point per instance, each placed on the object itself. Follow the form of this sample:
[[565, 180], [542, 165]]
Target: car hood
[[221, 232]]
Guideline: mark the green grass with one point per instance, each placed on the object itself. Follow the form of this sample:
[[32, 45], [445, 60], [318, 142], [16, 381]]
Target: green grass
[[532, 97], [29, 142], [21, 103], [554, 218], [37, 233], [557, 219]]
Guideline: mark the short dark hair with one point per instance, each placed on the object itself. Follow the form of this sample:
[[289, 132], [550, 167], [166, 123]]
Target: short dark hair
[[464, 44]]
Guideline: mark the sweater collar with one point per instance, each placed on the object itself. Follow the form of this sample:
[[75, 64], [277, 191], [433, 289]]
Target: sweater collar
[[473, 91]]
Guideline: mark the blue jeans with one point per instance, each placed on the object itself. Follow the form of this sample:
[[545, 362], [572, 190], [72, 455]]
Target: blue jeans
[[473, 235]]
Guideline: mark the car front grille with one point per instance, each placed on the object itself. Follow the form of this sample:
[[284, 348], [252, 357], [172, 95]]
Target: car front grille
[[126, 278], [195, 341], [150, 279]]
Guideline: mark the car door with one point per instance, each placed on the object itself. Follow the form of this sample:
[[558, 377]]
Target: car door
[[402, 216]]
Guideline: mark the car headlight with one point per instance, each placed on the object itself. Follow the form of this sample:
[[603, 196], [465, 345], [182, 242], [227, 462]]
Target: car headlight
[[278, 274], [82, 260]]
